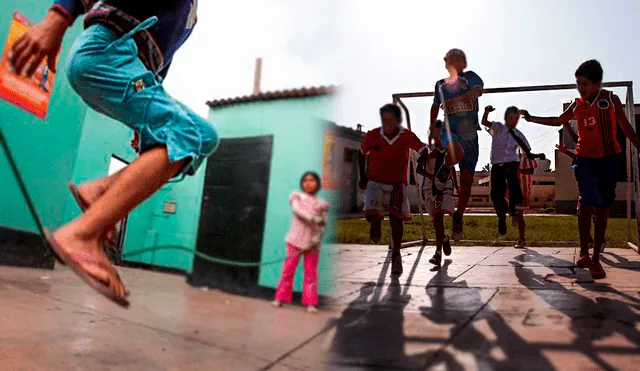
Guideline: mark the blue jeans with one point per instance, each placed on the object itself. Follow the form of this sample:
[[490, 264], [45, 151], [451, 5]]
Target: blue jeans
[[110, 77]]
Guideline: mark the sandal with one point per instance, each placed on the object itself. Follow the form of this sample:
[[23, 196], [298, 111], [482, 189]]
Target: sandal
[[96, 284], [75, 193]]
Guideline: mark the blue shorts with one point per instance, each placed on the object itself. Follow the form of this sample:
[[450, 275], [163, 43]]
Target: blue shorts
[[110, 77], [470, 147], [597, 179]]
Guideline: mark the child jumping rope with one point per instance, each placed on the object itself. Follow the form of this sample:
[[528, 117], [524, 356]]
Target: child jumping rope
[[117, 66], [598, 156], [310, 215]]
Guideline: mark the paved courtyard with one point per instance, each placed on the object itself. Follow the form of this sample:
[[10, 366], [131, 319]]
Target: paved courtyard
[[50, 321], [486, 309]]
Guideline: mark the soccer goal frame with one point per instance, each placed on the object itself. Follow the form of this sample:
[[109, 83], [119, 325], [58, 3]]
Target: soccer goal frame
[[631, 155]]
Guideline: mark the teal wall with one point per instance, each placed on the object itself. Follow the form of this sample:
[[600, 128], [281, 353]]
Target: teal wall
[[45, 150], [297, 126], [147, 225]]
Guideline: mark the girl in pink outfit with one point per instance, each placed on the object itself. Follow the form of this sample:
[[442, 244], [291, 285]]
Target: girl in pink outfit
[[304, 238]]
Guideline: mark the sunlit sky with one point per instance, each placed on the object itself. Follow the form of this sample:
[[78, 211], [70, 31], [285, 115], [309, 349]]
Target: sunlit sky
[[375, 48], [294, 38], [398, 47]]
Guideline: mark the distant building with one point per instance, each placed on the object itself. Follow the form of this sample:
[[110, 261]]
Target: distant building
[[347, 150]]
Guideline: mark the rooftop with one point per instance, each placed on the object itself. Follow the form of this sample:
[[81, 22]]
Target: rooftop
[[276, 95]]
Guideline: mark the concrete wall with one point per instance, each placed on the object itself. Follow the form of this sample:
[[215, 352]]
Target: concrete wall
[[45, 150], [298, 127]]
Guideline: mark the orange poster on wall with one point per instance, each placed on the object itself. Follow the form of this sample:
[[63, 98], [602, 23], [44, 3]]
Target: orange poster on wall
[[32, 94], [330, 176]]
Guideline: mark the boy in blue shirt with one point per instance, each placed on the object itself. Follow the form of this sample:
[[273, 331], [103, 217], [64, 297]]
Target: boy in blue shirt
[[458, 94], [117, 65]]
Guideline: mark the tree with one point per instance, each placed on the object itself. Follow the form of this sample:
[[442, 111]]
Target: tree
[[487, 167]]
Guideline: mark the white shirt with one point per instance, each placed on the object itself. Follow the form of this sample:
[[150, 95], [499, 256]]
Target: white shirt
[[504, 147]]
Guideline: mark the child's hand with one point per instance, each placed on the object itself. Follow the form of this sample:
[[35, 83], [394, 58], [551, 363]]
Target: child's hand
[[135, 142], [562, 148], [525, 114], [363, 183], [489, 109]]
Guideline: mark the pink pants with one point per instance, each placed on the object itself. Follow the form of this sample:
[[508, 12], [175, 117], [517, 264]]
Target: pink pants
[[284, 292]]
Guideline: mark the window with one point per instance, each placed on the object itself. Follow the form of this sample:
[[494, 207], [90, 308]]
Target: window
[[349, 154]]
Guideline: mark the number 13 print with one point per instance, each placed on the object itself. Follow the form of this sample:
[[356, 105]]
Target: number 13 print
[[590, 121]]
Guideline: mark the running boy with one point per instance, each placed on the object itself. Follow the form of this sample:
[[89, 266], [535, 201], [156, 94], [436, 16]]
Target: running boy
[[116, 66], [505, 163], [385, 180], [438, 199], [459, 94], [598, 155], [563, 149], [525, 171]]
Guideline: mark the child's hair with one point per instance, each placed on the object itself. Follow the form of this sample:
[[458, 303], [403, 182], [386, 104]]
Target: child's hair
[[315, 176], [391, 108], [457, 53], [437, 124], [590, 70], [512, 109]]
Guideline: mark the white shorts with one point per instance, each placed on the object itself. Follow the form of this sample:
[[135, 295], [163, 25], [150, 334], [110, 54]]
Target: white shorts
[[434, 205], [380, 197]]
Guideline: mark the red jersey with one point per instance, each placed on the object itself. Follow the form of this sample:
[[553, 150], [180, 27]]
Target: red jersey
[[389, 157], [597, 126]]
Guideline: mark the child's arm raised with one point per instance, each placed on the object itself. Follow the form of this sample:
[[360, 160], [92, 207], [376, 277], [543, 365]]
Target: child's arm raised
[[564, 118], [485, 117], [624, 123]]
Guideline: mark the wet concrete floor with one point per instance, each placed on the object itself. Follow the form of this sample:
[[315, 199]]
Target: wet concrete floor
[[486, 309], [49, 320]]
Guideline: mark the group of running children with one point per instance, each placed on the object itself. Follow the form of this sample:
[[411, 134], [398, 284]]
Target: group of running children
[[596, 162]]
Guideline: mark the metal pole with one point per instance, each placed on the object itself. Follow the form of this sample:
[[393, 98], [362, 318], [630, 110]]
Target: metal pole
[[520, 89], [628, 154], [634, 158]]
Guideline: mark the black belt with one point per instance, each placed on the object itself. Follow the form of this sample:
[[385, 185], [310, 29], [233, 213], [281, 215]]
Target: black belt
[[120, 23]]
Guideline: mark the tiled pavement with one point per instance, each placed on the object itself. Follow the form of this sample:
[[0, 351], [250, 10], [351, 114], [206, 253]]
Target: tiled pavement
[[486, 309]]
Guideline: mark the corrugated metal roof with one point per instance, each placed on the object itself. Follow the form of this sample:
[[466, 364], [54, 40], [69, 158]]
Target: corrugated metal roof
[[275, 95]]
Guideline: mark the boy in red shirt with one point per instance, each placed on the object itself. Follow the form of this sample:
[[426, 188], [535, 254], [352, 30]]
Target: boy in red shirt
[[385, 178], [598, 156]]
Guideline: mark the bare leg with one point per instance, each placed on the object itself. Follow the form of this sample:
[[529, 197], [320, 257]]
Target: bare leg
[[137, 182], [600, 229], [521, 226], [90, 191], [466, 181], [397, 230], [584, 226]]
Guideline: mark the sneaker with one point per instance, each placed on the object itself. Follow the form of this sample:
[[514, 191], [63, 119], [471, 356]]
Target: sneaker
[[436, 259], [502, 225], [520, 244], [457, 228], [396, 265], [584, 261], [375, 232], [446, 245], [276, 303], [312, 309], [597, 272]]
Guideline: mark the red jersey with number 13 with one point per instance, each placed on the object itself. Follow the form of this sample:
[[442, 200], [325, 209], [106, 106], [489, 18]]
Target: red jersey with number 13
[[597, 126]]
